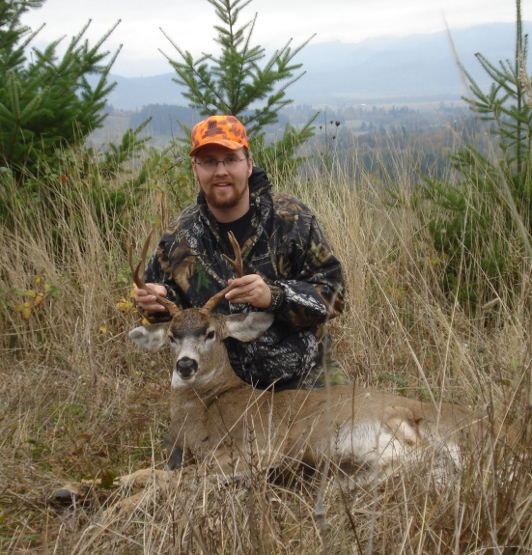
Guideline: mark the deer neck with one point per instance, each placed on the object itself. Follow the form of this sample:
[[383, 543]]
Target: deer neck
[[222, 381]]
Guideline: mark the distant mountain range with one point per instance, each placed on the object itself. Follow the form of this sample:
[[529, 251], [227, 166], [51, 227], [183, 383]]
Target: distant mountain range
[[388, 69]]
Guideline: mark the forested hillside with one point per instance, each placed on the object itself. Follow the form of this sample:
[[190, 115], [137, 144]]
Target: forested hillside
[[390, 70]]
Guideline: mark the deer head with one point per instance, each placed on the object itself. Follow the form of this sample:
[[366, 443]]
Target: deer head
[[196, 335]]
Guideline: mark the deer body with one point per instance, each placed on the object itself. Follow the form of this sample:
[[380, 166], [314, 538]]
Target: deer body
[[215, 414]]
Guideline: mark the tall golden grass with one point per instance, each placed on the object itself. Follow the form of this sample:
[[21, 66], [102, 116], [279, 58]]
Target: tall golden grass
[[80, 401]]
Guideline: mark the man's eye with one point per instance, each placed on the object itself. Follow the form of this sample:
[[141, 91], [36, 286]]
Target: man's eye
[[209, 163], [231, 160]]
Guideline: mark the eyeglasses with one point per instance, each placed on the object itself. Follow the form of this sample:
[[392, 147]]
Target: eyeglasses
[[210, 164]]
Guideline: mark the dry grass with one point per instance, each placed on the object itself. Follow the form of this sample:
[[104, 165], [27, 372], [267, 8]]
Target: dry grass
[[78, 400]]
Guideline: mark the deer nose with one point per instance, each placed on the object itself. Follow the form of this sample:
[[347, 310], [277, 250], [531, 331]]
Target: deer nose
[[186, 366]]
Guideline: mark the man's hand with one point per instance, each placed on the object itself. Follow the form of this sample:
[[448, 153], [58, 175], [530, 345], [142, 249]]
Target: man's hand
[[250, 289], [148, 302]]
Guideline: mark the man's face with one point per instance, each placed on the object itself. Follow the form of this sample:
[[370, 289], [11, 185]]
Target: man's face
[[225, 185]]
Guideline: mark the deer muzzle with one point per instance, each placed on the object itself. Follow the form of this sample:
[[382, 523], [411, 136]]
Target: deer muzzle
[[186, 367]]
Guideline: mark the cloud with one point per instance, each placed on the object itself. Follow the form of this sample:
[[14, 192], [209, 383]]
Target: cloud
[[190, 25]]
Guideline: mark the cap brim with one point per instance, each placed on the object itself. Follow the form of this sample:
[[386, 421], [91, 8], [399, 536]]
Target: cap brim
[[232, 145]]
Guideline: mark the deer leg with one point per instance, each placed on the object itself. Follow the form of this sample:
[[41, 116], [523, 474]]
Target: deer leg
[[176, 458], [141, 478]]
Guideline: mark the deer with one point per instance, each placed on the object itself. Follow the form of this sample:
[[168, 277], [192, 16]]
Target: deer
[[216, 416]]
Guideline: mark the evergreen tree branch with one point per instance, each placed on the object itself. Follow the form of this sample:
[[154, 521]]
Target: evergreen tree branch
[[234, 81]]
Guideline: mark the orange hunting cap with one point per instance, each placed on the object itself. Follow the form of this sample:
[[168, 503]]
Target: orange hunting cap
[[219, 130]]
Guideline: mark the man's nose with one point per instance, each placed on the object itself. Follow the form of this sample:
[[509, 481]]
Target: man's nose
[[220, 167]]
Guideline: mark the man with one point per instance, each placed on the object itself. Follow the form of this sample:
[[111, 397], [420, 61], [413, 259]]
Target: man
[[288, 265]]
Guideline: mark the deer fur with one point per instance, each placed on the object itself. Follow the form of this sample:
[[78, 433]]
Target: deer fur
[[214, 415]]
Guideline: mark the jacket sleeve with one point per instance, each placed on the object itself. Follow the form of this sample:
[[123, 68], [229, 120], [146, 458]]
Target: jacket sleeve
[[313, 291]]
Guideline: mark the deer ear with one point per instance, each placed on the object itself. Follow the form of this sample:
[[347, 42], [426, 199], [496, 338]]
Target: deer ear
[[246, 327], [151, 337]]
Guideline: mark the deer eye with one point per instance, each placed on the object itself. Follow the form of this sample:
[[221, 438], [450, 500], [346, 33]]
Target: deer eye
[[210, 335]]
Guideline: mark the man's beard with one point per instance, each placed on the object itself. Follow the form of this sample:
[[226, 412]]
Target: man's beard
[[227, 202]]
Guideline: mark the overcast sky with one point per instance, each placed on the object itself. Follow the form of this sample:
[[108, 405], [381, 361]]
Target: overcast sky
[[190, 23]]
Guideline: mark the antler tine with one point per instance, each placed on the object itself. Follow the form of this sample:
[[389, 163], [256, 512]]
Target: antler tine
[[138, 276], [237, 264]]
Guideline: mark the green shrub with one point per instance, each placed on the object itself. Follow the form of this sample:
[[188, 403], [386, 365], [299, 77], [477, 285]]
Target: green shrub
[[46, 102], [480, 219]]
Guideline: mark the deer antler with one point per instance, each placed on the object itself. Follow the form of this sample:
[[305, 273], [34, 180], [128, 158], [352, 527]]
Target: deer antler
[[138, 277], [239, 269]]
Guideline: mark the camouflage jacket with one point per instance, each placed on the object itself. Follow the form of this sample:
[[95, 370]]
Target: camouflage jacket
[[288, 249]]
